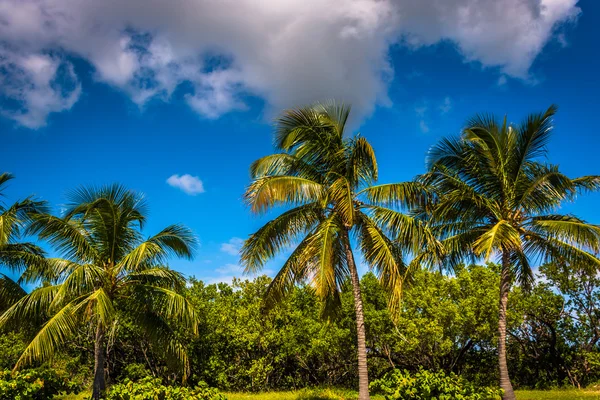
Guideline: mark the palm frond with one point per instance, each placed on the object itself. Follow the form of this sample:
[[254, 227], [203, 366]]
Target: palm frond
[[52, 335], [269, 240], [264, 193], [500, 236]]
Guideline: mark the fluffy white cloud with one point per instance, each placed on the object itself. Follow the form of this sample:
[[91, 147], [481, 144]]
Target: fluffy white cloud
[[286, 52], [191, 185], [233, 246]]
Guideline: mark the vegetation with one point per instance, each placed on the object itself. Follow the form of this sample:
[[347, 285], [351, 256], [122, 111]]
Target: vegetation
[[327, 177], [493, 197], [426, 385], [108, 273], [108, 309]]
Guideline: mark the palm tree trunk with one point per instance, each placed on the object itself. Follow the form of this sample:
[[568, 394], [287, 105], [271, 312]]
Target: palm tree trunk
[[505, 384], [99, 381], [363, 373]]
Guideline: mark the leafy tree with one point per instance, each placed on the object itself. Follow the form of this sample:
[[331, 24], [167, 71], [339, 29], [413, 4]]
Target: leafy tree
[[108, 270], [326, 179], [15, 256], [494, 196]]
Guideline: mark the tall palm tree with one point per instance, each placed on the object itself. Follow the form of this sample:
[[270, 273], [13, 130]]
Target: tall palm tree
[[324, 179], [108, 272], [15, 255], [494, 197]]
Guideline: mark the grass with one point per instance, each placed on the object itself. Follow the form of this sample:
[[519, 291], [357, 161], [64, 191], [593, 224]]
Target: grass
[[329, 394], [346, 395], [321, 394], [559, 394]]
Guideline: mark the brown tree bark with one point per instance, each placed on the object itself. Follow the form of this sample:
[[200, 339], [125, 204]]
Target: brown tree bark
[[505, 384], [99, 379], [363, 373]]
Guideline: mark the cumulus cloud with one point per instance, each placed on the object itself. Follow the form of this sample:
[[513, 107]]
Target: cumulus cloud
[[285, 52], [191, 185], [233, 246]]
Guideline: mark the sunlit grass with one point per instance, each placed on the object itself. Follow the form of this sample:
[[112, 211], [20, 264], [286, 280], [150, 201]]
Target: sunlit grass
[[558, 394], [350, 395]]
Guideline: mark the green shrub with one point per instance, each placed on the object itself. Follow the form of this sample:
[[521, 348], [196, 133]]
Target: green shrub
[[427, 385], [32, 384], [153, 389]]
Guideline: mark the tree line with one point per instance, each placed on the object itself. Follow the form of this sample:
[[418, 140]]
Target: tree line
[[486, 195]]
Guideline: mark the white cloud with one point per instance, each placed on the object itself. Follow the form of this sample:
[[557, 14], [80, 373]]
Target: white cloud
[[423, 126], [446, 105], [191, 185], [233, 246], [226, 273], [502, 80], [285, 52]]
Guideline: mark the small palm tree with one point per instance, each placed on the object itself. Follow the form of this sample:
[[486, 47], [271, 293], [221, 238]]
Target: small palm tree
[[493, 197], [326, 179], [16, 256], [108, 272]]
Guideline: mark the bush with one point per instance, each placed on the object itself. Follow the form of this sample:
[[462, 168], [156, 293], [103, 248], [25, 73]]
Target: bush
[[32, 384], [153, 389], [427, 385]]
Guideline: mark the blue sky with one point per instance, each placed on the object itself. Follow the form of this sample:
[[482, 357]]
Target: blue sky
[[87, 121]]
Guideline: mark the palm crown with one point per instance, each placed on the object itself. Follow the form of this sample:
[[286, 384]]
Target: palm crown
[[495, 197], [327, 179], [108, 272]]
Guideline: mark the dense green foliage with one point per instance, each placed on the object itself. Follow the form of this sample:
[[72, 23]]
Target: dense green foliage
[[33, 384], [447, 324], [426, 385], [153, 389]]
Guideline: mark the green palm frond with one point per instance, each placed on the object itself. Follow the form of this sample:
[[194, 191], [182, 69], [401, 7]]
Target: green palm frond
[[34, 306], [80, 281], [17, 257], [399, 195], [10, 292], [264, 193], [283, 164], [569, 229], [411, 233], [384, 257], [294, 270], [157, 276], [53, 334], [4, 178], [362, 164], [498, 237], [67, 236], [277, 234], [170, 305], [97, 305], [340, 194], [587, 183]]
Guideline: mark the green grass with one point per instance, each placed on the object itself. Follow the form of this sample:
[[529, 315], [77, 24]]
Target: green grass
[[349, 395], [558, 394], [346, 395], [320, 394]]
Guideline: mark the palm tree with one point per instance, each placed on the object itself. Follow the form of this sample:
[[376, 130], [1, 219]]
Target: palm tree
[[16, 256], [325, 180], [108, 272], [493, 197]]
